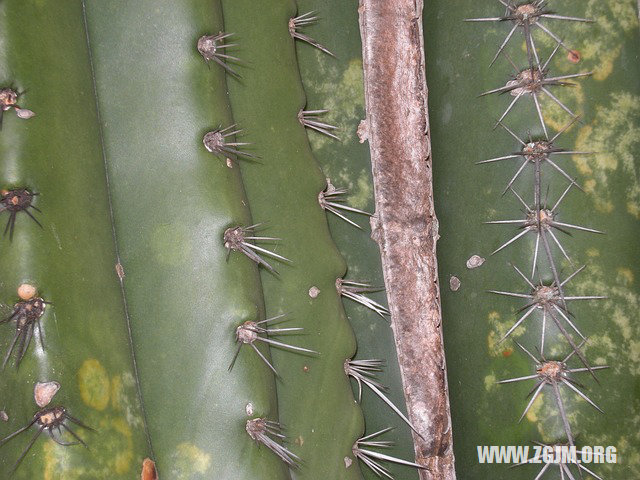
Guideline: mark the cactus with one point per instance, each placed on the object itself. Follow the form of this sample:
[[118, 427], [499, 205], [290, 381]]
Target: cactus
[[187, 286], [582, 274], [78, 339], [336, 84], [182, 262]]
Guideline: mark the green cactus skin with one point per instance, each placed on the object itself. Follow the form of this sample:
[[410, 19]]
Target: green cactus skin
[[315, 398], [458, 56], [336, 84], [172, 202], [71, 259]]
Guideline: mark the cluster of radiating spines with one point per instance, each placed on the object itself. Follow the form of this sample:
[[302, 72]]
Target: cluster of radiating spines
[[535, 81], [332, 200], [242, 239], [527, 16], [222, 142], [269, 434], [562, 461], [15, 201], [251, 332], [547, 300], [555, 373], [26, 315], [53, 420], [540, 218], [296, 24], [309, 119], [371, 458], [214, 48], [356, 291]]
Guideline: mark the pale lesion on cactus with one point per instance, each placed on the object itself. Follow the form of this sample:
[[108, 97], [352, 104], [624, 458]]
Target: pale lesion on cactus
[[213, 48], [269, 434], [241, 239], [15, 201], [8, 101], [356, 291], [533, 81], [250, 332], [26, 313], [332, 200], [309, 119], [364, 372], [371, 458], [301, 21], [555, 373], [525, 16], [216, 142], [50, 419]]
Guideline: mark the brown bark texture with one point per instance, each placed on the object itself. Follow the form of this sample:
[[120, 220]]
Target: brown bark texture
[[405, 224]]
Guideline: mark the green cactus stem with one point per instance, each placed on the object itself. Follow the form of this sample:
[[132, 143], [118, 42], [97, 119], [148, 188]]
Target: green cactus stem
[[66, 324], [172, 203], [315, 397]]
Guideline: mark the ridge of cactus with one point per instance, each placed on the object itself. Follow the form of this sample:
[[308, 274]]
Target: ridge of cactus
[[67, 380], [337, 84], [270, 102], [190, 282]]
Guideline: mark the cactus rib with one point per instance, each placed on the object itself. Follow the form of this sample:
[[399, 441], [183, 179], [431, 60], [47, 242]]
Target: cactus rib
[[270, 103], [186, 297]]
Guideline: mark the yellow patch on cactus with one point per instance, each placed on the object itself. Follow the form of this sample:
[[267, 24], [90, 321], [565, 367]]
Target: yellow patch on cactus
[[498, 328], [619, 345], [572, 98], [490, 382], [361, 193], [123, 458], [94, 384], [343, 91], [625, 276], [615, 136], [188, 460], [116, 393], [533, 414]]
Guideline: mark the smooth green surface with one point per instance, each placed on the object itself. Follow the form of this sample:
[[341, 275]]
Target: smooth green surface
[[458, 56], [172, 202], [71, 260], [336, 84], [315, 399]]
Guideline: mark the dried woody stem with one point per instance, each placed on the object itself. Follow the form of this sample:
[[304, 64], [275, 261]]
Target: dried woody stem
[[405, 224]]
